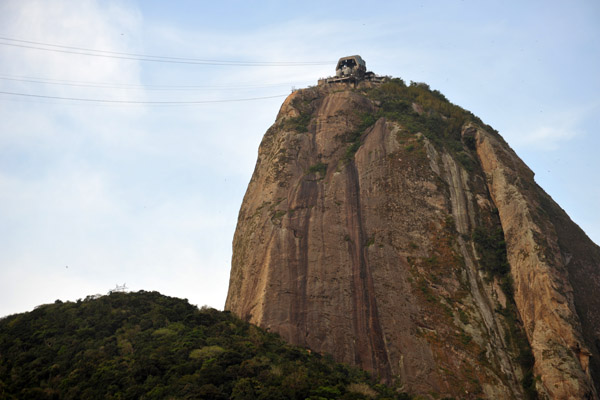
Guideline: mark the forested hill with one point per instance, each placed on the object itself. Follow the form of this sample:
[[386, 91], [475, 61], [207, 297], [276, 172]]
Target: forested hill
[[148, 346]]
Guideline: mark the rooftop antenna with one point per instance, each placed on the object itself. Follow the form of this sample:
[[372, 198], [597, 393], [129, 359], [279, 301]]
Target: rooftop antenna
[[119, 288]]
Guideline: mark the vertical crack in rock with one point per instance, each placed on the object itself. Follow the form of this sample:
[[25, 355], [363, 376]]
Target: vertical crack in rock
[[298, 242], [368, 332], [462, 206], [462, 209]]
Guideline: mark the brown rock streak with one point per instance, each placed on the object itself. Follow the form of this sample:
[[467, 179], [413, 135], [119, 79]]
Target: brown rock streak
[[371, 352], [298, 240]]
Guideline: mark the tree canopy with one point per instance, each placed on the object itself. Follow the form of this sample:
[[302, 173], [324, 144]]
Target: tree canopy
[[148, 346]]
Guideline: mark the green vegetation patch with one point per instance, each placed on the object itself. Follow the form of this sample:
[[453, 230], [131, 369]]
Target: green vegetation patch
[[207, 352], [318, 168], [148, 346], [370, 241], [366, 120], [299, 123], [418, 108], [491, 248], [277, 215]]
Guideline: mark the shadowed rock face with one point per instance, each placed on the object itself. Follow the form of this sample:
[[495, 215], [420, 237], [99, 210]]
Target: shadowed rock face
[[361, 237]]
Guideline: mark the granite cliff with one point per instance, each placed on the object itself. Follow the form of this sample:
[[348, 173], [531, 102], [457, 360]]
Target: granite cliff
[[396, 231]]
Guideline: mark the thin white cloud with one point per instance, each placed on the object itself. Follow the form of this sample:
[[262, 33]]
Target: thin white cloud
[[546, 137], [549, 130]]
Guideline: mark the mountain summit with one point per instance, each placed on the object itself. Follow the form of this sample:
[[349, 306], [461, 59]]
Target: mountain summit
[[398, 232]]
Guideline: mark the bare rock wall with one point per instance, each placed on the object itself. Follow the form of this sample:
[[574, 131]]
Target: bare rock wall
[[356, 241]]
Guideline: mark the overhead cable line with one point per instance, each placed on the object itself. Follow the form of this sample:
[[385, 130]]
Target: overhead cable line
[[105, 85], [39, 96], [28, 44]]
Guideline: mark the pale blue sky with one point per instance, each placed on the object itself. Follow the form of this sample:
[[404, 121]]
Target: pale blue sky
[[148, 195]]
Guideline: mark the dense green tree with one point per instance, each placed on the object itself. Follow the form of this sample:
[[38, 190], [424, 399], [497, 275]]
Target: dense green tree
[[148, 346]]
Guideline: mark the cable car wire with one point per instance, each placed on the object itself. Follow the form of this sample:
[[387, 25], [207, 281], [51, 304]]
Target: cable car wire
[[28, 44], [39, 96], [105, 85]]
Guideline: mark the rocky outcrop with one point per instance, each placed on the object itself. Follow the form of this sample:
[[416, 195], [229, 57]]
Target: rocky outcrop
[[364, 235], [548, 284]]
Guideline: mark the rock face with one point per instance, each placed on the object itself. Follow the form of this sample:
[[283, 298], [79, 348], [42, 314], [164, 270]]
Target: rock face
[[556, 270], [386, 226]]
